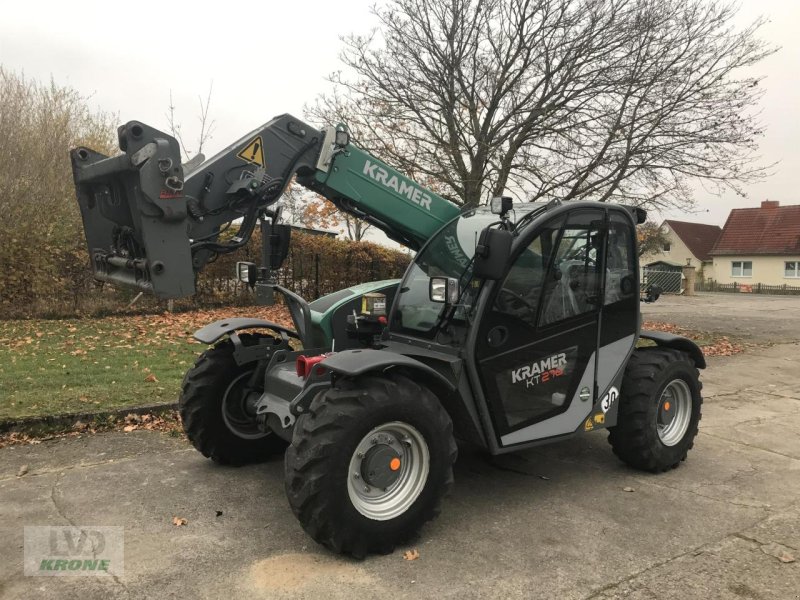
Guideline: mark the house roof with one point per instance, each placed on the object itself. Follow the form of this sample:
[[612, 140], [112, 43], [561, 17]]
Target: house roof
[[669, 263], [698, 237], [769, 229]]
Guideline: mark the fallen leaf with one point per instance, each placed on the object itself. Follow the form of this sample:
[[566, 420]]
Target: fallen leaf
[[411, 554], [628, 489], [219, 513], [778, 551], [179, 521], [129, 428], [545, 477], [23, 470], [151, 378]]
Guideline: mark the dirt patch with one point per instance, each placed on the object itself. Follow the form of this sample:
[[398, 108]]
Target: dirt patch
[[711, 344], [296, 572]]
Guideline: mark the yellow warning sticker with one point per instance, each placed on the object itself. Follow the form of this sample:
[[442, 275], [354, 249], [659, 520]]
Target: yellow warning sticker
[[588, 425], [253, 152], [600, 418]]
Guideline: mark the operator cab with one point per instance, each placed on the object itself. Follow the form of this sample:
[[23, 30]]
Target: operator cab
[[548, 336]]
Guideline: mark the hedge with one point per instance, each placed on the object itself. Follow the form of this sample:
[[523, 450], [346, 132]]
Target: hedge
[[57, 282]]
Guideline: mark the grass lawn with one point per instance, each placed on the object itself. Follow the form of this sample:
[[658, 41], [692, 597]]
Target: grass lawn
[[88, 365]]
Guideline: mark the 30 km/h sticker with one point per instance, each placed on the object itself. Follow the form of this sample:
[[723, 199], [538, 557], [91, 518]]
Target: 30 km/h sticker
[[254, 152]]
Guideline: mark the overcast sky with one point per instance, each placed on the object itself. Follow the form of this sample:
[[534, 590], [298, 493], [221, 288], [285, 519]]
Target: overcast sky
[[267, 58]]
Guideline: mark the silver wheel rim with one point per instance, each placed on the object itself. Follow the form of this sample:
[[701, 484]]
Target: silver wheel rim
[[233, 415], [674, 412], [382, 504]]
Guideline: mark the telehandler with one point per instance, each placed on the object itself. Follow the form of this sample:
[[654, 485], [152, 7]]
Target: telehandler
[[516, 324]]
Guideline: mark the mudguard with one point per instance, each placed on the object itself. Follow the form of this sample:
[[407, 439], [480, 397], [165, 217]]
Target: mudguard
[[218, 329], [677, 342], [358, 362]]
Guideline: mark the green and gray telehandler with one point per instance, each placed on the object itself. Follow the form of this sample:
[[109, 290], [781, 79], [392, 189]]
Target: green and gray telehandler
[[515, 325]]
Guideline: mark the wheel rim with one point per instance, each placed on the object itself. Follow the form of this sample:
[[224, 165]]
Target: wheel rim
[[674, 412], [377, 489], [233, 410]]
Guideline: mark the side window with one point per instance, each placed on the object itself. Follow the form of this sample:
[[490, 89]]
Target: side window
[[521, 291], [572, 286], [621, 261]]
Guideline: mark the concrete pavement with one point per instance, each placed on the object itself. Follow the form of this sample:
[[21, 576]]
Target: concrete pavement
[[554, 522]]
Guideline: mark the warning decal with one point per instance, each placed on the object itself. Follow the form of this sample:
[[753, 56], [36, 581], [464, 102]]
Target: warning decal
[[253, 152]]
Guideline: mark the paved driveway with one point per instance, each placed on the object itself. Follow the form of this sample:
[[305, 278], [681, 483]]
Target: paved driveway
[[753, 317], [548, 523]]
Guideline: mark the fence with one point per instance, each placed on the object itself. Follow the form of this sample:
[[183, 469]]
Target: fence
[[314, 267], [670, 282], [711, 285]]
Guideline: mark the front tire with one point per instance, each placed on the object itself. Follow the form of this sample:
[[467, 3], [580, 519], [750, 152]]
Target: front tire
[[212, 409], [370, 463], [659, 410]]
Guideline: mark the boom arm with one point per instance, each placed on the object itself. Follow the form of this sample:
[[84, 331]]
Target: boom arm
[[152, 223]]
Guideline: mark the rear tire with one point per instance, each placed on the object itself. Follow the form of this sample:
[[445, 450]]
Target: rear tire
[[659, 410], [338, 495], [211, 410]]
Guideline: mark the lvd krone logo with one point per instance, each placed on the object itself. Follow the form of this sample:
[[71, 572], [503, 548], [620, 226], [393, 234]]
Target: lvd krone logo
[[68, 542], [57, 550]]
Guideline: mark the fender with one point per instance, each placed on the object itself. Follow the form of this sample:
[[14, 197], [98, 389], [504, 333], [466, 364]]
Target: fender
[[218, 329], [358, 362], [677, 342]]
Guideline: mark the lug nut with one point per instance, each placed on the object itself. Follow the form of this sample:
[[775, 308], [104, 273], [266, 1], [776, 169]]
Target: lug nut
[[360, 455], [356, 476], [373, 441], [366, 488]]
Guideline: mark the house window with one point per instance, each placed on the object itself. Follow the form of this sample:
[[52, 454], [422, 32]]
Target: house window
[[667, 246], [791, 269], [742, 268]]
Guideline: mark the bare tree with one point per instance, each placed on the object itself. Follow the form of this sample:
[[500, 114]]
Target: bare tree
[[206, 124], [605, 99], [356, 228]]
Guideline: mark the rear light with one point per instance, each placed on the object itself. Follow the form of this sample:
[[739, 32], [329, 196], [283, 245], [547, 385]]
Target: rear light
[[305, 364]]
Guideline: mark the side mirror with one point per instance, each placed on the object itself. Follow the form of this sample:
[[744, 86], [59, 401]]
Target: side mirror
[[444, 289], [492, 254], [653, 292]]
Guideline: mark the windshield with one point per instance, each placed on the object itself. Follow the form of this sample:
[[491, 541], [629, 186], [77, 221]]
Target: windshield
[[448, 254]]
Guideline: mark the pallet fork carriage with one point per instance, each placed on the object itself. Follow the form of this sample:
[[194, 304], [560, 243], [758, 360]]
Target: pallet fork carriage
[[514, 325]]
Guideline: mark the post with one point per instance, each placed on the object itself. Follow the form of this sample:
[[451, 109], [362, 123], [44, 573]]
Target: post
[[316, 275], [689, 272]]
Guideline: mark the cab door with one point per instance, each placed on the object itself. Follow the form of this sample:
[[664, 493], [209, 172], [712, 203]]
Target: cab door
[[538, 338]]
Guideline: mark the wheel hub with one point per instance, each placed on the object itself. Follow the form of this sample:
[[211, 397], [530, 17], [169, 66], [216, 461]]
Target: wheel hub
[[388, 470], [237, 409], [381, 466], [666, 412], [674, 412]]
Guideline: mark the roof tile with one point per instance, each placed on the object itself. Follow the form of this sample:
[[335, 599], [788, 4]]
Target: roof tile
[[698, 237], [767, 230]]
